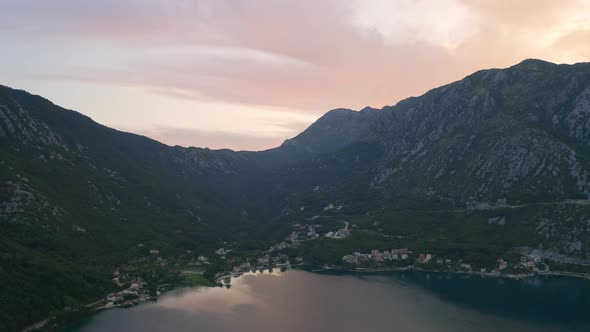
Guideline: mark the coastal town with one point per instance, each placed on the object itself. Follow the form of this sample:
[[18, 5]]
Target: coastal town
[[405, 259], [154, 273], [275, 256], [231, 263], [397, 259], [133, 289], [133, 294]]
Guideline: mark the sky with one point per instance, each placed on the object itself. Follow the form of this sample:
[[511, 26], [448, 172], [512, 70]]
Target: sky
[[248, 74]]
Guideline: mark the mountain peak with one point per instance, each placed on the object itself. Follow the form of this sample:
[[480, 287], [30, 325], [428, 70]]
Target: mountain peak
[[535, 61], [534, 64]]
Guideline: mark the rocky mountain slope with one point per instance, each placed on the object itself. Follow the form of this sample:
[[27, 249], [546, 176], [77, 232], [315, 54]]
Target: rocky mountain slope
[[498, 161], [513, 135], [508, 143]]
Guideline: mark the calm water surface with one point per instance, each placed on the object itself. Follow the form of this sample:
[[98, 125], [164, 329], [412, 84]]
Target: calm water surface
[[302, 301]]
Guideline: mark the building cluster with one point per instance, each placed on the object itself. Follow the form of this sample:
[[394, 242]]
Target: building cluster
[[136, 291], [300, 234], [339, 234], [203, 260], [242, 267], [530, 262], [403, 254], [222, 252], [308, 232], [284, 245], [424, 258], [377, 256], [342, 233], [263, 262], [273, 257]]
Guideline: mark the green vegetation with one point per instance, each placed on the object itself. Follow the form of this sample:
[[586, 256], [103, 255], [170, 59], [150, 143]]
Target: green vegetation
[[565, 267], [196, 280], [35, 286]]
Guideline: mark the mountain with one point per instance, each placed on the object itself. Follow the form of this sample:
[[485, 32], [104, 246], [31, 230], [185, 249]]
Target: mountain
[[496, 162], [514, 135], [502, 144], [77, 197]]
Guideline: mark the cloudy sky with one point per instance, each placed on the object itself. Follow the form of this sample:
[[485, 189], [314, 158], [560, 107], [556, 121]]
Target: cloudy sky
[[247, 74]]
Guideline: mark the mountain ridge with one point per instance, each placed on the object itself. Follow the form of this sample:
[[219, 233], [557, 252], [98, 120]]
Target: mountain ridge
[[513, 144]]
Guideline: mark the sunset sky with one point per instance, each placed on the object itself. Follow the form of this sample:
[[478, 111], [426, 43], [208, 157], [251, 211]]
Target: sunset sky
[[247, 74]]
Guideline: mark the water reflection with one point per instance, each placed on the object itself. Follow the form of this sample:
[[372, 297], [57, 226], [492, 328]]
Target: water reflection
[[220, 300], [302, 301], [551, 300]]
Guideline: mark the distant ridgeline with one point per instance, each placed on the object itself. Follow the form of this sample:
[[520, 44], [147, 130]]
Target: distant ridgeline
[[489, 164]]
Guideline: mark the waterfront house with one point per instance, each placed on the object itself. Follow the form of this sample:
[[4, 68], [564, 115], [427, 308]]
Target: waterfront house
[[502, 264], [535, 258]]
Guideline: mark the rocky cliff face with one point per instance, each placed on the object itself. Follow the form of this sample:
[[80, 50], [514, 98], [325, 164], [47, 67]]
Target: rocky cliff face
[[497, 136], [514, 140], [17, 124]]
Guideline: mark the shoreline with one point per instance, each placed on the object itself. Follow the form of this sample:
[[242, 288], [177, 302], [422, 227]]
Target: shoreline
[[481, 274], [61, 322], [318, 269]]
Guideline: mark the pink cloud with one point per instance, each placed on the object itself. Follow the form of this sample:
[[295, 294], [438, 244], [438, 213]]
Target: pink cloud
[[304, 55]]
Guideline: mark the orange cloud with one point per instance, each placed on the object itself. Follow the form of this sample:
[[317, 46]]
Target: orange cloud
[[577, 42], [308, 56], [524, 14]]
